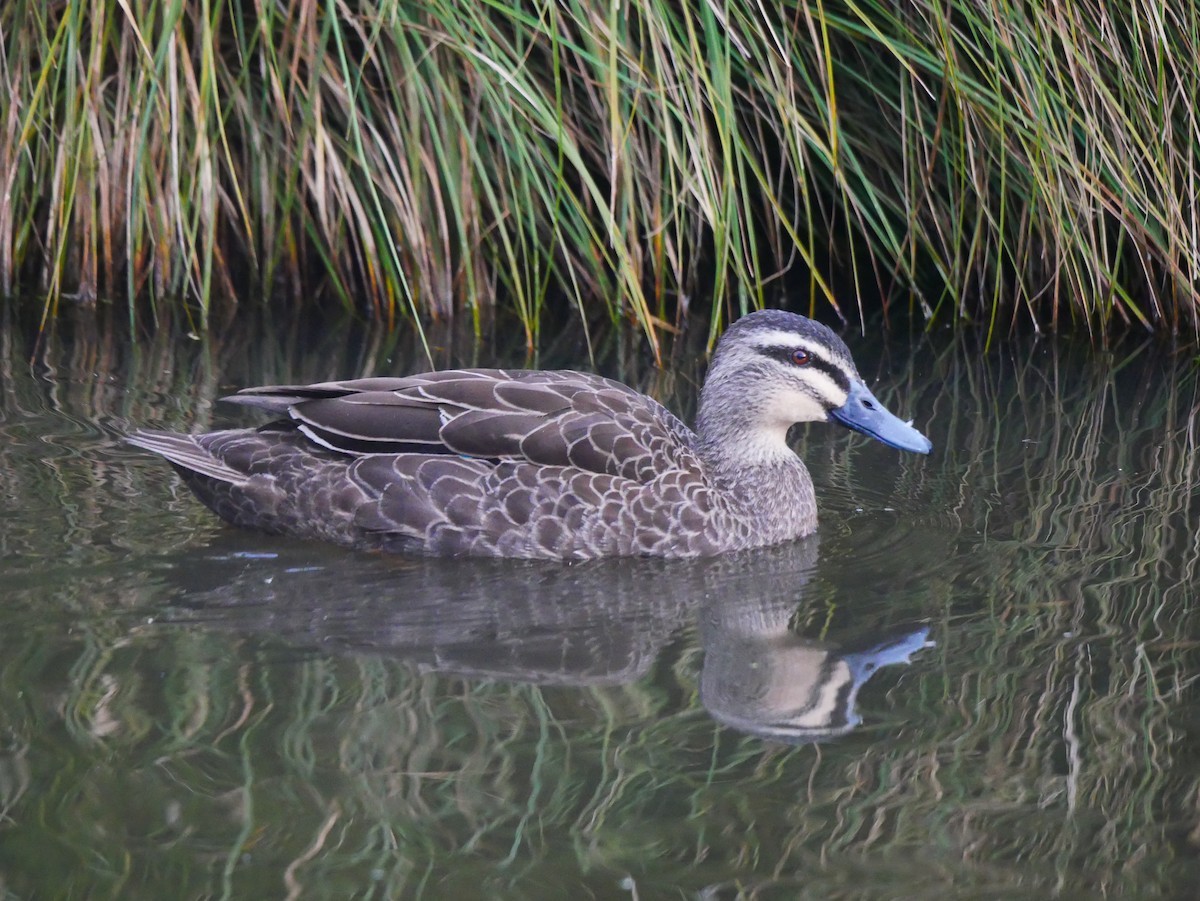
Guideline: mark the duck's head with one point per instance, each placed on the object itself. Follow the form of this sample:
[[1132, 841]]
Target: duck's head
[[773, 369]]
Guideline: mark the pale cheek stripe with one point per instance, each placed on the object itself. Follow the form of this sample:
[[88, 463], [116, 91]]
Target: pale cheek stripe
[[824, 389], [798, 403]]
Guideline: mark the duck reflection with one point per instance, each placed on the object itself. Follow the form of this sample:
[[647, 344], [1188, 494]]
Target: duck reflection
[[760, 677], [593, 624]]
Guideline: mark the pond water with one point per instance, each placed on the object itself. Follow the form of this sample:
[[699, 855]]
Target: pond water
[[978, 681]]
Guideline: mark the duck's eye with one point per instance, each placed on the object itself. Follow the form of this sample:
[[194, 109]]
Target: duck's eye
[[800, 357]]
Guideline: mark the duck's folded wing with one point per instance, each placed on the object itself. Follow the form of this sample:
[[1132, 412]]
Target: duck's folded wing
[[551, 418]]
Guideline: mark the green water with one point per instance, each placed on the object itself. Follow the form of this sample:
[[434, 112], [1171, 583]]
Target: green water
[[189, 711]]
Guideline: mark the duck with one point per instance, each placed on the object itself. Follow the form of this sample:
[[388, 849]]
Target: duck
[[542, 464]]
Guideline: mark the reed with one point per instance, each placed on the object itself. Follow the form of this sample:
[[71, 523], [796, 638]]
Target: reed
[[992, 162]]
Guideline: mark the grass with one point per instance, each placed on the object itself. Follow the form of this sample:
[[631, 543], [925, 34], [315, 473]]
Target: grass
[[997, 163]]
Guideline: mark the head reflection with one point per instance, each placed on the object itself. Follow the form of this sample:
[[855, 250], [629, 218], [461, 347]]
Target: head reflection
[[763, 679]]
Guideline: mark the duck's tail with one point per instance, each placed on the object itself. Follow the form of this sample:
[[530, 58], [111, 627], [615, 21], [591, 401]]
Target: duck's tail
[[186, 452]]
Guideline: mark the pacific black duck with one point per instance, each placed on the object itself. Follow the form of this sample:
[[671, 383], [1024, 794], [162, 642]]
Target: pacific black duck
[[560, 465]]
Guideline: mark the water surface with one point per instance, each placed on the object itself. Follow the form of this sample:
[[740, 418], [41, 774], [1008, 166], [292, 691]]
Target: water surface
[[191, 711]]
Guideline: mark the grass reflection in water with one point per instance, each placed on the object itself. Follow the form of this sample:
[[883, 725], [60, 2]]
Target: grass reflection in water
[[189, 710]]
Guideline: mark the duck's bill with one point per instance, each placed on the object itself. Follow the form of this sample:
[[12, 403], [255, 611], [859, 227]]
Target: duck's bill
[[864, 413]]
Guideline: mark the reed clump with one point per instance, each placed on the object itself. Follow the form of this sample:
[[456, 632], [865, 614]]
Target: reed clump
[[987, 161]]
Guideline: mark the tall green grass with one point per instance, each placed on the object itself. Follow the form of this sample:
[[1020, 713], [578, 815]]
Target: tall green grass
[[988, 161]]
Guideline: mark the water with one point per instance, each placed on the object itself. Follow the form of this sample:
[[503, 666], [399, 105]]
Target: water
[[192, 711]]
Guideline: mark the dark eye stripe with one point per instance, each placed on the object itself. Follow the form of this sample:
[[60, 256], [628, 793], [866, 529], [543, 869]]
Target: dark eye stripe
[[784, 355]]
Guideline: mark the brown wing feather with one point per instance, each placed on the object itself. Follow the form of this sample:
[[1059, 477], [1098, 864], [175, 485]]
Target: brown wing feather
[[373, 422], [488, 433], [571, 419]]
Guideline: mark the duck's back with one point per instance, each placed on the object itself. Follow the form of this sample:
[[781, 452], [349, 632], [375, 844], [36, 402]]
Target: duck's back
[[507, 463]]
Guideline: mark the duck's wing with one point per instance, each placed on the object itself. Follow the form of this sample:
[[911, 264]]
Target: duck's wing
[[554, 418]]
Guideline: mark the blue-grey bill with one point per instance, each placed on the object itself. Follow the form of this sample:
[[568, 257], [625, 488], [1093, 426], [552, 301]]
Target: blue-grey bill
[[864, 413]]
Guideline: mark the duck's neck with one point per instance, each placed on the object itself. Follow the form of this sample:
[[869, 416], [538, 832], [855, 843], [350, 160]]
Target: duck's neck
[[741, 428], [747, 450], [734, 447], [748, 457]]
